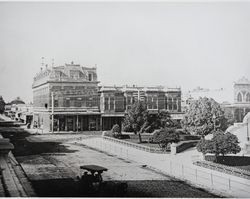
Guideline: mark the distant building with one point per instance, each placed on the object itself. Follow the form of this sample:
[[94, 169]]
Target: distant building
[[241, 104], [236, 100], [2, 105], [69, 96], [11, 108], [24, 113], [17, 101]]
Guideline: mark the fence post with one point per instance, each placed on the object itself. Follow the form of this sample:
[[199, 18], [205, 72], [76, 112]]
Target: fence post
[[212, 183], [171, 167], [229, 183], [182, 169], [127, 153], [196, 176]]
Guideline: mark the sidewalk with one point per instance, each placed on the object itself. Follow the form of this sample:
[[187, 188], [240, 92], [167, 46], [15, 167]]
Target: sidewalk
[[13, 181]]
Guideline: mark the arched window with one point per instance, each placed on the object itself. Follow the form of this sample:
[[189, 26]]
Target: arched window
[[248, 97], [239, 97]]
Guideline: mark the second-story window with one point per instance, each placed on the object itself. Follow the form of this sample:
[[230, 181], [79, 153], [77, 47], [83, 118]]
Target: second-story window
[[154, 102], [150, 102], [248, 97], [112, 100], [119, 103], [175, 104], [239, 97], [170, 103], [90, 102], [67, 103], [56, 103], [78, 102], [106, 103]]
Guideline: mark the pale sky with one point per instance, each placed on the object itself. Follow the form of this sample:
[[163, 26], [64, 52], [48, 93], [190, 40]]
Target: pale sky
[[169, 44]]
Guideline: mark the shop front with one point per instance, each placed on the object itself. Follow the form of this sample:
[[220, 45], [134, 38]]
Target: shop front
[[77, 122]]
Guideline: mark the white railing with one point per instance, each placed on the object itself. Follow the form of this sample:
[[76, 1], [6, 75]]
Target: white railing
[[222, 183], [134, 145]]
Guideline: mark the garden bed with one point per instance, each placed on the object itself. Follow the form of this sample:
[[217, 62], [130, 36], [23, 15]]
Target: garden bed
[[224, 169], [230, 160]]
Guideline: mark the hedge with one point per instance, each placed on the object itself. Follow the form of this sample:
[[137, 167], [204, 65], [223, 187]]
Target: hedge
[[230, 160]]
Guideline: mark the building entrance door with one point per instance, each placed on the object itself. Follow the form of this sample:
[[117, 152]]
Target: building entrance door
[[92, 123], [84, 123], [70, 123]]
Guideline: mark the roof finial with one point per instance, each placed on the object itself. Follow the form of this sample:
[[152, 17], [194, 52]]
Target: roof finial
[[42, 61]]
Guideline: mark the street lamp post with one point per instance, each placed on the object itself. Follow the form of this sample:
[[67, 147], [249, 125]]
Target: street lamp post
[[247, 132], [52, 111]]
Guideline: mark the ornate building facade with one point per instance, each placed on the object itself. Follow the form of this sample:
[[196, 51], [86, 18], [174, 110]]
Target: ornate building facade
[[115, 102], [69, 96], [241, 105]]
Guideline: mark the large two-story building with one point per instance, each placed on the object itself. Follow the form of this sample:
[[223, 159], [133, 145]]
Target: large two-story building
[[116, 101], [69, 96]]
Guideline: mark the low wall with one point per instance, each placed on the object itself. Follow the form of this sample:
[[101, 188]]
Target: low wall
[[134, 145], [177, 166]]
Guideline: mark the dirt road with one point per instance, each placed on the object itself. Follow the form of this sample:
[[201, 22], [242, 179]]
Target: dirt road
[[52, 163]]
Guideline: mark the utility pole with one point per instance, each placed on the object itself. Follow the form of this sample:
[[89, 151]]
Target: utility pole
[[247, 131], [138, 94], [52, 112]]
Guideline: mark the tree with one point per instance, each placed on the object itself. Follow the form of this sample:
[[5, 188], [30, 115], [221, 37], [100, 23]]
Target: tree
[[136, 120], [221, 144], [203, 116], [160, 120], [2, 105]]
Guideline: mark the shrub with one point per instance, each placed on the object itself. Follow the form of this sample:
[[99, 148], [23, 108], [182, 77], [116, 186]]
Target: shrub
[[164, 137], [164, 134], [221, 144], [116, 131], [230, 160]]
